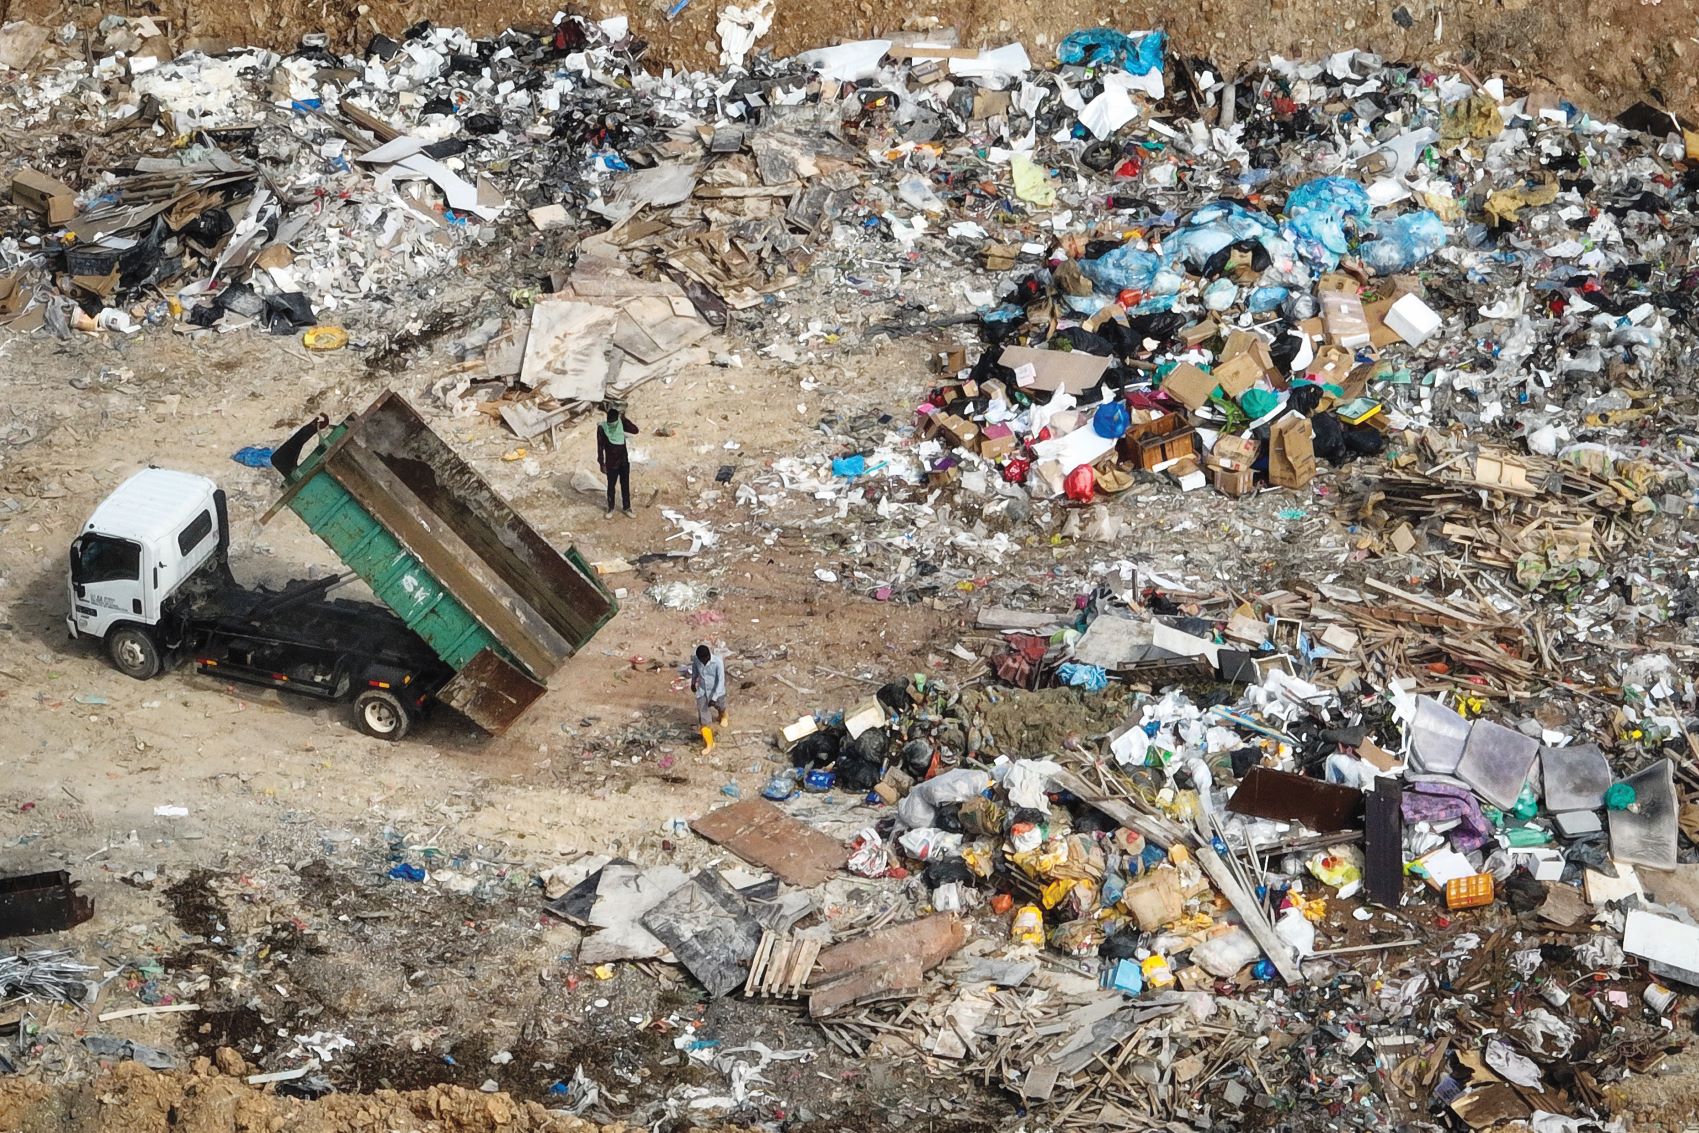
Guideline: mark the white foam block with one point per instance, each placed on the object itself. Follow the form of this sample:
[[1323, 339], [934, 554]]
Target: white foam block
[[1412, 320]]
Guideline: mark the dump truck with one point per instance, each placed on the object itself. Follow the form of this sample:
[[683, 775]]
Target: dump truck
[[477, 609]]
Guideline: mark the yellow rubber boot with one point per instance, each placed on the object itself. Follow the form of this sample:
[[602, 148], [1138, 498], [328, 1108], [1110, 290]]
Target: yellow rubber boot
[[725, 719], [707, 740]]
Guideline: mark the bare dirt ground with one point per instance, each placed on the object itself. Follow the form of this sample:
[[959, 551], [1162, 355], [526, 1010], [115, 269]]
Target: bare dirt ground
[[270, 898]]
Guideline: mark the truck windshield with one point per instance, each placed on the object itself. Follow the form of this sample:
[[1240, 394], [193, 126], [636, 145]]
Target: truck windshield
[[101, 558]]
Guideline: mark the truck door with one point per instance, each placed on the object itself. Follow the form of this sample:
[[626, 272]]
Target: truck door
[[106, 583]]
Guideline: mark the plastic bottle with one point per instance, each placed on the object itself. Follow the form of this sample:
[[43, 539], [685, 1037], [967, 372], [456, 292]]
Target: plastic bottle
[[1028, 926]]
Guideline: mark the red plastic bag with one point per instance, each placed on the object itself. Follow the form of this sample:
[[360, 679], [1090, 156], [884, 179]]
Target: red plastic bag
[[1015, 471], [1081, 485]]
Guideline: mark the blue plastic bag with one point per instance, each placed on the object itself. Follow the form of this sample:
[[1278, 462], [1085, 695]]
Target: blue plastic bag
[[1111, 420], [1089, 677], [1316, 213], [1124, 267], [849, 467], [406, 871], [1405, 241], [254, 456], [1106, 47], [1266, 299]]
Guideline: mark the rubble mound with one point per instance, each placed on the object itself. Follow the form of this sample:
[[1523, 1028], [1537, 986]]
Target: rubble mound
[[135, 1099]]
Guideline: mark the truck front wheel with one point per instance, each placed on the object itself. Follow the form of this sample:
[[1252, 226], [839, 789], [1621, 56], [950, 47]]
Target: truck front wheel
[[134, 652], [381, 714]]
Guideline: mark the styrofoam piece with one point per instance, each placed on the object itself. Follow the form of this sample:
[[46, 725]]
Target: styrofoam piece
[[1438, 738], [1496, 761], [1412, 320], [1646, 834], [1575, 777]]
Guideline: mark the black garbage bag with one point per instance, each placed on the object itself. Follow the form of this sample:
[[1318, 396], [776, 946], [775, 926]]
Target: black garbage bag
[[1123, 945], [858, 775], [894, 696], [289, 312], [1330, 438], [915, 758], [815, 751], [204, 314], [1304, 398], [1524, 892], [869, 747], [942, 871], [1159, 326], [240, 299], [1364, 440], [1078, 338], [208, 228], [1284, 349]]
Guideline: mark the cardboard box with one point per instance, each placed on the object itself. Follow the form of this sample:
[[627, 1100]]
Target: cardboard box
[[1189, 385], [1245, 342], [996, 442], [1237, 374], [1291, 452], [801, 729], [1186, 473], [951, 361], [1342, 315], [1233, 482], [1233, 451], [1331, 365], [1199, 333], [52, 199]]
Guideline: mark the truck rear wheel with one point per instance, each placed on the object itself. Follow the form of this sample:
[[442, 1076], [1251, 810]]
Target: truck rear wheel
[[381, 714], [134, 652]]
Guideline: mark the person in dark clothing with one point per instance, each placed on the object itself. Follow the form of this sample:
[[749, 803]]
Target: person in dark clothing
[[612, 457]]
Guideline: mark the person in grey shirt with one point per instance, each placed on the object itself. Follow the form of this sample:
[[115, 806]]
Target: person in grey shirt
[[708, 682]]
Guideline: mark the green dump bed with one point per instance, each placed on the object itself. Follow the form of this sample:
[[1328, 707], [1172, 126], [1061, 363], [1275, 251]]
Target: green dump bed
[[436, 544]]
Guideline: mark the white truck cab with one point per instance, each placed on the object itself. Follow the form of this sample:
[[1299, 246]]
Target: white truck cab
[[143, 542]]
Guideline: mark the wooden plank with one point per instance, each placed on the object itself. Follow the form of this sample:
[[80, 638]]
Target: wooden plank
[[1156, 831], [1425, 603], [1250, 911], [763, 835]]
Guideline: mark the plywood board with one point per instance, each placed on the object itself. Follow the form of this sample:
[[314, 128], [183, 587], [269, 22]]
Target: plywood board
[[763, 835]]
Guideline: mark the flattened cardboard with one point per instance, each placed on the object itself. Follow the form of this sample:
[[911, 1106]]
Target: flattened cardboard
[[1072, 370]]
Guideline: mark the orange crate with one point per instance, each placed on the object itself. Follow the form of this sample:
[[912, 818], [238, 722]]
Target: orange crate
[[1469, 892]]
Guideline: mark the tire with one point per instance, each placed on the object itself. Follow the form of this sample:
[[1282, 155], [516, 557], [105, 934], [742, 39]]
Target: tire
[[381, 714], [134, 652]]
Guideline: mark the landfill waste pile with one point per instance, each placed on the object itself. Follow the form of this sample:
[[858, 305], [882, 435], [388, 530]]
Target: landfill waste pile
[[1265, 889], [1305, 474]]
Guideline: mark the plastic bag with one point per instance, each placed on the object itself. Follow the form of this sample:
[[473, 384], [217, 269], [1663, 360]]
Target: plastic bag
[[1106, 47], [1404, 242], [1089, 677], [1028, 926], [1258, 403], [1316, 213], [1081, 484], [1111, 420], [1122, 269]]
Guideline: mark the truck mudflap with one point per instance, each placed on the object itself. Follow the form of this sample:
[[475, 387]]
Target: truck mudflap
[[490, 691]]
